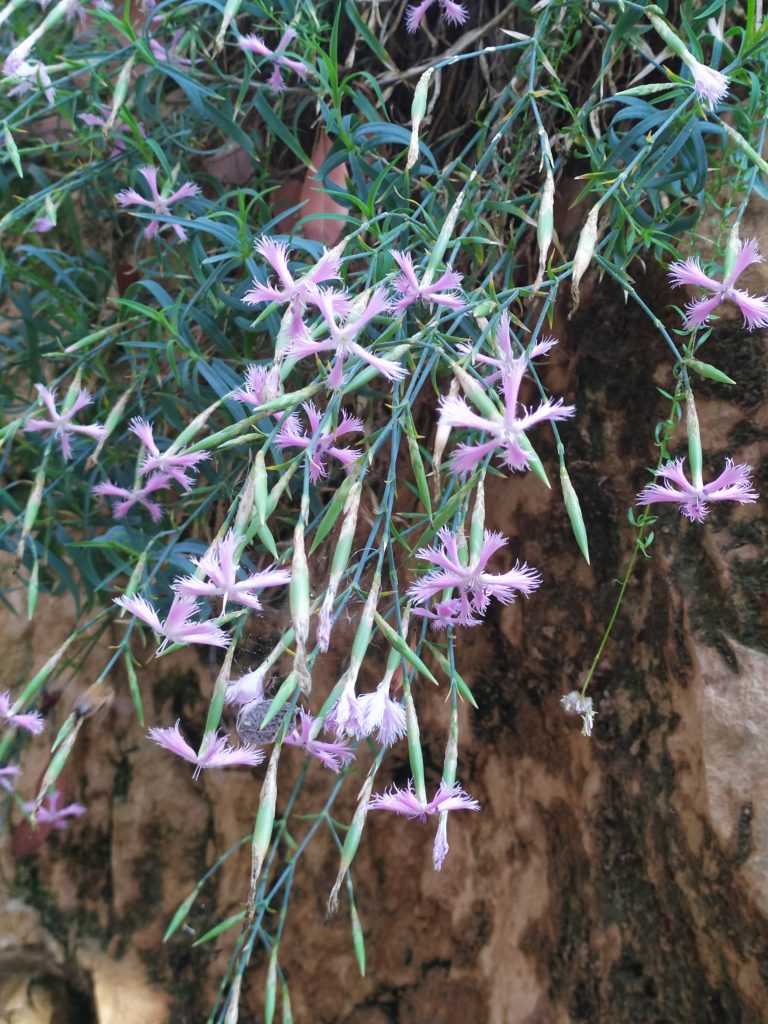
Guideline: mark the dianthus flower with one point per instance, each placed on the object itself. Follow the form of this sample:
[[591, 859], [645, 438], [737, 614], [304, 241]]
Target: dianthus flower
[[753, 309], [158, 204], [30, 73], [173, 464], [451, 12], [215, 751], [7, 776], [261, 385], [405, 801], [135, 496], [51, 814], [711, 85], [333, 755], [297, 292], [733, 484], [506, 428], [342, 337], [168, 52], [474, 584], [442, 292], [119, 133], [32, 721], [322, 444], [61, 422], [177, 627], [506, 363], [255, 44], [382, 714], [220, 569]]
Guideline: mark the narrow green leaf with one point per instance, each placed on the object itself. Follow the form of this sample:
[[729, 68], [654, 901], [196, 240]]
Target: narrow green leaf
[[395, 640], [222, 926]]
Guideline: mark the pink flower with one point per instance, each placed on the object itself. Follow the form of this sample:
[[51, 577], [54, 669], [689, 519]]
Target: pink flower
[[32, 721], [61, 422], [297, 292], [506, 429], [134, 496], [405, 801], [159, 205], [261, 385], [346, 717], [342, 337], [507, 364], [51, 814], [172, 464], [119, 130], [220, 568], [442, 292], [30, 74], [333, 755], [451, 12], [248, 688], [320, 444], [711, 86], [177, 628], [475, 586], [753, 309], [169, 52], [43, 224], [255, 44], [382, 713], [215, 751], [733, 484], [444, 614], [7, 775]]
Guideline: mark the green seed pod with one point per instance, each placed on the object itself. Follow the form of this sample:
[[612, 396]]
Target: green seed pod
[[30, 513], [415, 754], [475, 392], [262, 829], [709, 371], [358, 939], [695, 456], [270, 988], [573, 508], [352, 838], [673, 41], [477, 524]]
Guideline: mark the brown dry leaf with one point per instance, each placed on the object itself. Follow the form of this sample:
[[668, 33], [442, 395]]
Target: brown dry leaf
[[316, 200], [231, 165]]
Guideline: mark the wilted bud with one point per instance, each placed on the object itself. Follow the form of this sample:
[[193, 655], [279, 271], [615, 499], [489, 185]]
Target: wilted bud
[[583, 255], [118, 97], [341, 556], [299, 602], [545, 223], [418, 110], [442, 435]]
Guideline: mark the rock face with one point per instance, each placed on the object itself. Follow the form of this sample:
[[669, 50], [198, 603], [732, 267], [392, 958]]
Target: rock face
[[617, 880]]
